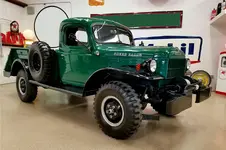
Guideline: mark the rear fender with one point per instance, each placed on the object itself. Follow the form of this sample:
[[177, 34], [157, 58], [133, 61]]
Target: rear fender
[[15, 53], [17, 65], [16, 57]]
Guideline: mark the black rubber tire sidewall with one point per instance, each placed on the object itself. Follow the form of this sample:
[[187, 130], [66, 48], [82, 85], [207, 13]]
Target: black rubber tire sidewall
[[35, 74], [127, 114], [132, 108], [31, 90], [47, 58]]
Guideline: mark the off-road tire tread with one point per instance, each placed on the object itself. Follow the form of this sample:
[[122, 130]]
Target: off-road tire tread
[[32, 92], [133, 102], [47, 57]]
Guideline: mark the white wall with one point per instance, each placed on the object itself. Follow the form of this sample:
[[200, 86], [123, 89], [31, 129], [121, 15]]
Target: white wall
[[9, 12], [195, 21], [50, 19]]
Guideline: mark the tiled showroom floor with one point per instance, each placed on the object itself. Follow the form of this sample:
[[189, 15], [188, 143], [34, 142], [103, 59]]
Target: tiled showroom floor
[[56, 121]]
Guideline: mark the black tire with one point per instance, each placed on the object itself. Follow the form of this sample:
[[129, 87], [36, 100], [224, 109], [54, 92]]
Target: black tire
[[41, 62], [25, 90], [131, 113]]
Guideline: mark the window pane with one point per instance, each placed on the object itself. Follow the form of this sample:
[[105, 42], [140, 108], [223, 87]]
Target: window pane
[[111, 34], [223, 62], [82, 36], [124, 38]]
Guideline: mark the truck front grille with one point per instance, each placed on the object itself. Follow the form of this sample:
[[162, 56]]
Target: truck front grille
[[176, 67]]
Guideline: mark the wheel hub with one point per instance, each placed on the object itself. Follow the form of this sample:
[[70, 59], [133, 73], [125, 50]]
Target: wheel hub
[[112, 111], [22, 85]]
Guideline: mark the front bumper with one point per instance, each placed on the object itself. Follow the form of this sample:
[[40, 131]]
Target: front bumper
[[182, 103]]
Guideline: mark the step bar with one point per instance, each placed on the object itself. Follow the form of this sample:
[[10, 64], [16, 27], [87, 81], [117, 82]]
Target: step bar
[[55, 88]]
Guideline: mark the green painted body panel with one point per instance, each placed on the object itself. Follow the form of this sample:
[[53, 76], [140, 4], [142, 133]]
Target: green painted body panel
[[15, 53], [78, 63]]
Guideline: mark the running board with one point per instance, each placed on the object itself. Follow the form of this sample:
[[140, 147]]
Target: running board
[[55, 88]]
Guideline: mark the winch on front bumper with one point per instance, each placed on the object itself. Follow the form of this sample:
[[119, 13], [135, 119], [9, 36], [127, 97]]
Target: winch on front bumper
[[181, 103]]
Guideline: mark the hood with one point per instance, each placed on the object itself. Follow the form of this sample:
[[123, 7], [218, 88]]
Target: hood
[[140, 51]]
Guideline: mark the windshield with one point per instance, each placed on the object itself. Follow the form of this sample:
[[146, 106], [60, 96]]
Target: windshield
[[111, 34]]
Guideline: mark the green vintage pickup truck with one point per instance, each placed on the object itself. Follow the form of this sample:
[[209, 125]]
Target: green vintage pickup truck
[[98, 57]]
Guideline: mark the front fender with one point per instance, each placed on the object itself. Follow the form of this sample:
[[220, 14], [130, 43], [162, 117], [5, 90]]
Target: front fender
[[109, 74]]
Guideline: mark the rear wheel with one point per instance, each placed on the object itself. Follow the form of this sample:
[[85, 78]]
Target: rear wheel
[[26, 91], [118, 110]]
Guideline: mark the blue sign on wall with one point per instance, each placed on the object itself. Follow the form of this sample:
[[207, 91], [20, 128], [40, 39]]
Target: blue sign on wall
[[190, 45]]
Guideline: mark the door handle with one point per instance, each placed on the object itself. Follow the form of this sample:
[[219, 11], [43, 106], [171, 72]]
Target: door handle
[[97, 53]]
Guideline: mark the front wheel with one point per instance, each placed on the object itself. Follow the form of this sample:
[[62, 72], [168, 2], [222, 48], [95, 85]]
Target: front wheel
[[118, 110], [26, 91]]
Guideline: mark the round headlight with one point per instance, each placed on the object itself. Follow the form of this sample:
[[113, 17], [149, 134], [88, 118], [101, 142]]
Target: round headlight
[[153, 66], [188, 63]]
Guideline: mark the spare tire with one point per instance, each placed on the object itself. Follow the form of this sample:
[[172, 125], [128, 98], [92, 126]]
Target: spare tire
[[40, 62]]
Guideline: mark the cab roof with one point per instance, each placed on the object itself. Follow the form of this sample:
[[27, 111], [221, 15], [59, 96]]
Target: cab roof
[[90, 21]]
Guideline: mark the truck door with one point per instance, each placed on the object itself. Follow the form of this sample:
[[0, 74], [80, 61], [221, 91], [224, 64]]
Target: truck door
[[76, 55]]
